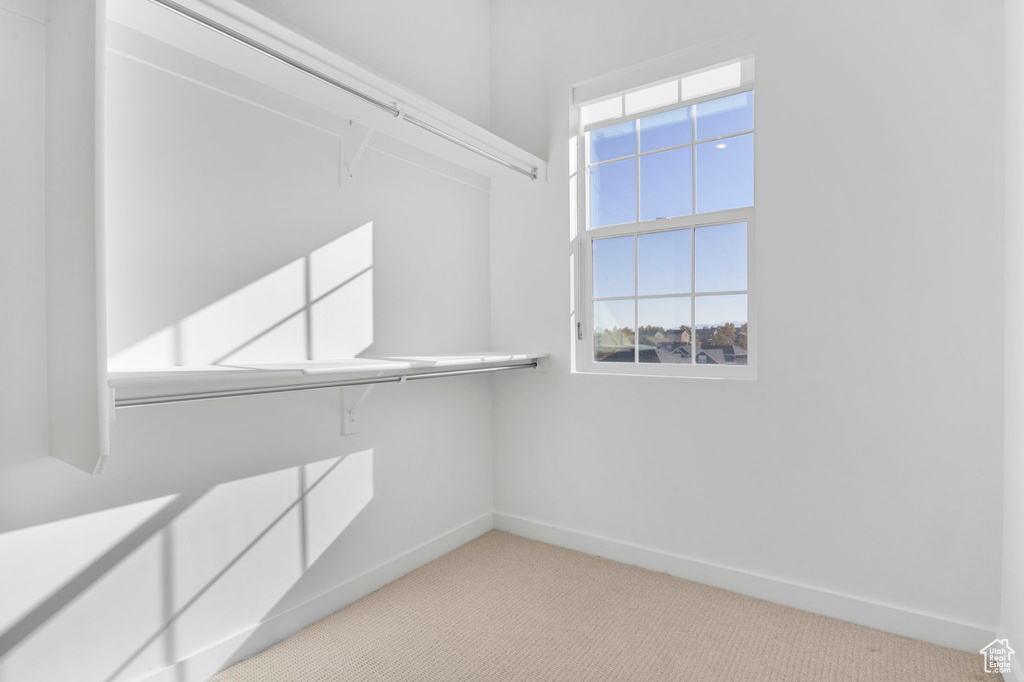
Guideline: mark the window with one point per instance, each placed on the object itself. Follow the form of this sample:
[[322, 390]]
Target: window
[[663, 183]]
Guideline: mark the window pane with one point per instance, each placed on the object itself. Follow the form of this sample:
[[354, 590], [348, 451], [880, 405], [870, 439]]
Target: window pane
[[666, 181], [652, 97], [667, 129], [665, 330], [613, 267], [613, 193], [700, 84], [613, 142], [725, 116], [721, 330], [725, 174], [665, 263], [721, 257], [602, 111], [613, 331]]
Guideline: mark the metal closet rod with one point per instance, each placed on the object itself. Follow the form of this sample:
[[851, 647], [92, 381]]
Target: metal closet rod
[[288, 388], [319, 75]]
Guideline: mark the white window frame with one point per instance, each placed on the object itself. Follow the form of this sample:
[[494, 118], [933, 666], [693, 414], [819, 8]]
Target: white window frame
[[583, 302]]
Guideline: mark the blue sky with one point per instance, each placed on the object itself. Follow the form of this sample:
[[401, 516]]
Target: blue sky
[[665, 184], [664, 268], [724, 168]]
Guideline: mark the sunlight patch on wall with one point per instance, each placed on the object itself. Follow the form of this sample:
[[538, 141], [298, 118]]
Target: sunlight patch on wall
[[341, 260], [36, 562], [219, 329], [158, 350], [219, 568], [319, 306], [88, 638], [343, 320], [284, 343], [236, 551], [336, 501]]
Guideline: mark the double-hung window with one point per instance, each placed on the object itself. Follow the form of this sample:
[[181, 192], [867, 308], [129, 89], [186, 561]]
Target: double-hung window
[[664, 190]]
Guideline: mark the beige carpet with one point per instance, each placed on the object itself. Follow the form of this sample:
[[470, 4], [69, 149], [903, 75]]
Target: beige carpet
[[508, 609]]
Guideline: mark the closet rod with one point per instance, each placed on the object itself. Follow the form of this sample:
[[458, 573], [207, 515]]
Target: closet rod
[[319, 75], [288, 388], [532, 173], [273, 54]]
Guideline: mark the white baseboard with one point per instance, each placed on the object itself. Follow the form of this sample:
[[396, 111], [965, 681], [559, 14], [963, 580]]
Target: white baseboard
[[1016, 665], [200, 666], [892, 619]]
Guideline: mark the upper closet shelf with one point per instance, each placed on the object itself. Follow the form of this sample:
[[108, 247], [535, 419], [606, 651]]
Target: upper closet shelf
[[228, 37], [185, 384]]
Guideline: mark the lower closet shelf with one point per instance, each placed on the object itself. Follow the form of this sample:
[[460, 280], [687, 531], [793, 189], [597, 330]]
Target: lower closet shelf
[[185, 384]]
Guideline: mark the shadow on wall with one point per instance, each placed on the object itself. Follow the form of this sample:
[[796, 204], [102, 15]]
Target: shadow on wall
[[319, 306], [118, 594]]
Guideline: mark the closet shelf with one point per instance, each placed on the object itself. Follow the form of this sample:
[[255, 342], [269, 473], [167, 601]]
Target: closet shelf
[[186, 384], [228, 36]]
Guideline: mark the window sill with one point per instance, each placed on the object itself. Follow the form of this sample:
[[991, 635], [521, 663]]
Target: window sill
[[719, 372]]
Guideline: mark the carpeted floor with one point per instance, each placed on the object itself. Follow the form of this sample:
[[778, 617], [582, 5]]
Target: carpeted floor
[[508, 609]]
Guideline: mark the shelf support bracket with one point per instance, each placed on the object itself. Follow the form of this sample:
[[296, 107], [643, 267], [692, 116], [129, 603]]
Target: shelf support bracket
[[353, 147], [350, 421]]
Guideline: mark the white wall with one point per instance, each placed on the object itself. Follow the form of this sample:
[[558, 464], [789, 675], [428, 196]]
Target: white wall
[[1012, 621], [865, 459], [879, 188], [23, 400], [220, 210], [215, 523], [439, 49]]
